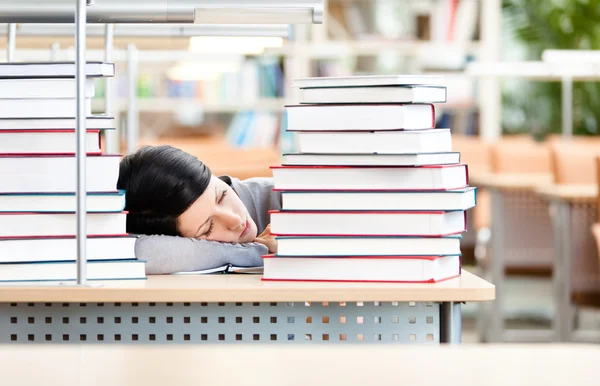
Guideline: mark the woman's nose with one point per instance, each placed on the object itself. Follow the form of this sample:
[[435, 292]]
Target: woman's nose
[[231, 220]]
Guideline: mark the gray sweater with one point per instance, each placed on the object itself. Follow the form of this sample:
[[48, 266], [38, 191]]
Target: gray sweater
[[170, 254]]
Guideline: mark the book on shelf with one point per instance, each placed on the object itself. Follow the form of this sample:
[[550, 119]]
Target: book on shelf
[[360, 117], [57, 142], [56, 174], [93, 122], [33, 250], [396, 269], [448, 200], [367, 223], [47, 224], [368, 246], [61, 202], [375, 142], [54, 70], [65, 271], [376, 159], [28, 88], [383, 178], [376, 94], [42, 107]]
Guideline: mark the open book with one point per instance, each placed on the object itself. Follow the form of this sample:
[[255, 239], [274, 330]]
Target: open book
[[229, 268]]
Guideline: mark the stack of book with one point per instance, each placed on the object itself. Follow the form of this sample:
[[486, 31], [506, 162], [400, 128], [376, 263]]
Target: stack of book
[[38, 180], [374, 192]]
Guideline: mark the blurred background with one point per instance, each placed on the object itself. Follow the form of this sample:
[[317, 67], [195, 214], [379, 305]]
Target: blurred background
[[523, 105]]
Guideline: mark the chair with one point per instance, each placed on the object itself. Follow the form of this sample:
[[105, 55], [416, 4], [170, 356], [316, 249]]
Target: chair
[[521, 229]]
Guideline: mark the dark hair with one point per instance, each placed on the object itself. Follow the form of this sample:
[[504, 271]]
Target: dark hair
[[160, 183]]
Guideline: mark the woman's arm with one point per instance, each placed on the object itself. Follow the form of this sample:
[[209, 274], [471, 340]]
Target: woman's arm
[[170, 254]]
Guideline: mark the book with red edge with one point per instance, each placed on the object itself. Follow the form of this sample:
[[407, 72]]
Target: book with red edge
[[392, 269], [392, 142], [61, 224], [47, 142], [367, 223], [368, 116], [57, 173], [38, 249], [374, 178]]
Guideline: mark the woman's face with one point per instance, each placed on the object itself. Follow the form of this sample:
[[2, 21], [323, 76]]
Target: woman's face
[[218, 214]]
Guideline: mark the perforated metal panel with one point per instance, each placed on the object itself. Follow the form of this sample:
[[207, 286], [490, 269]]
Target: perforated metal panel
[[373, 322]]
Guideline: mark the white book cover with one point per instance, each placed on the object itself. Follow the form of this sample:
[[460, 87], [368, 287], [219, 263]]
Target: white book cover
[[61, 202], [378, 142], [369, 80], [361, 117], [30, 250], [54, 69], [47, 142], [368, 246], [67, 271], [365, 223], [56, 174], [93, 122], [382, 94], [43, 88], [446, 200], [439, 177], [30, 224], [42, 108], [401, 269], [379, 159]]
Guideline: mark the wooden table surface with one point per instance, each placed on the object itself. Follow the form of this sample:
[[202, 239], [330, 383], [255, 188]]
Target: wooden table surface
[[526, 181], [249, 288], [571, 193], [281, 365]]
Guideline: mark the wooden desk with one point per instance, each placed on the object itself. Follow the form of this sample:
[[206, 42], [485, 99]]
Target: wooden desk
[[212, 308], [491, 365], [571, 193], [511, 181]]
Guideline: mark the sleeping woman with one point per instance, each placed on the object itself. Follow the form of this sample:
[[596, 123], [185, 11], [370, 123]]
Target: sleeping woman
[[187, 219]]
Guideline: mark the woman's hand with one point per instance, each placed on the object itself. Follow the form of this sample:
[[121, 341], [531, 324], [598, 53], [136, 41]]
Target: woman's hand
[[266, 239]]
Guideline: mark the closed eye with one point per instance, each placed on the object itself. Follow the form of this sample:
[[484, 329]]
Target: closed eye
[[222, 196]]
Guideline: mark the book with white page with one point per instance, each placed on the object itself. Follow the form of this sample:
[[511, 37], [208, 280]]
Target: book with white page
[[47, 142], [66, 271], [44, 108], [31, 250], [224, 269], [433, 177], [366, 142], [367, 223], [57, 174], [363, 117], [446, 200], [400, 269], [381, 94], [379, 159], [93, 122], [369, 80], [368, 246], [54, 69], [43, 88], [31, 224], [61, 202]]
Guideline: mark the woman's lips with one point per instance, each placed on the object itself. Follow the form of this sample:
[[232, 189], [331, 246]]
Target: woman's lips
[[246, 229]]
